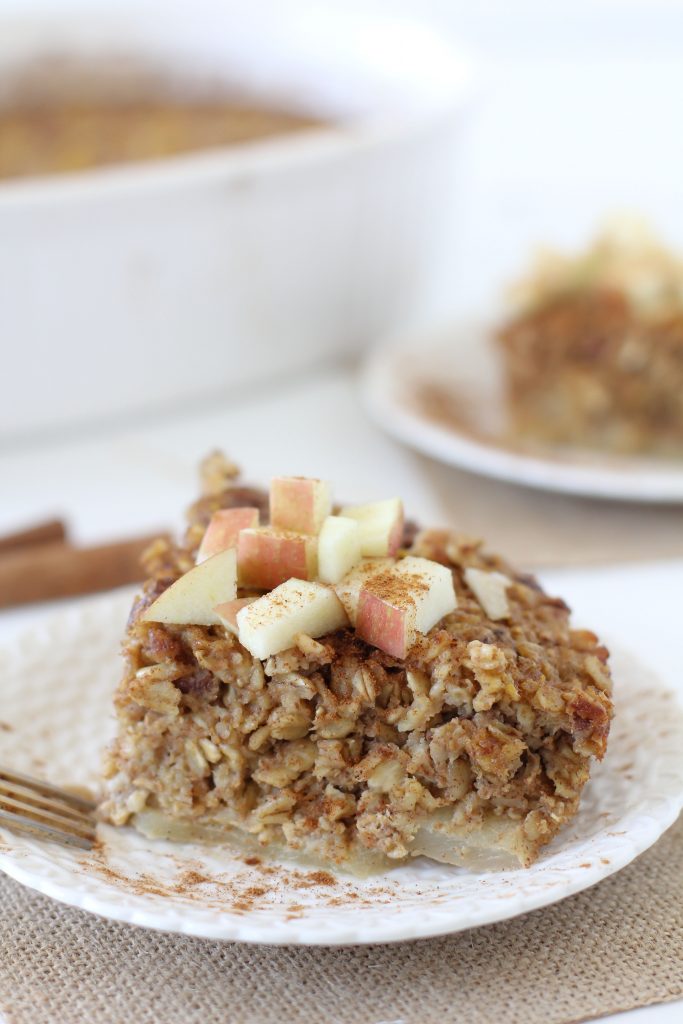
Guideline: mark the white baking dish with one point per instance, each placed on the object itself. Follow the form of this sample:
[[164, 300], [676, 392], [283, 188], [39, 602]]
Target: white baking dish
[[144, 286]]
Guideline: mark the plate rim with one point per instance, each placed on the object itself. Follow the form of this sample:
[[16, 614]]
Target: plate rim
[[311, 937], [378, 390]]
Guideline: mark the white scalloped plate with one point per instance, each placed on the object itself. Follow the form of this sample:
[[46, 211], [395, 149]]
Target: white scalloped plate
[[56, 691], [440, 393]]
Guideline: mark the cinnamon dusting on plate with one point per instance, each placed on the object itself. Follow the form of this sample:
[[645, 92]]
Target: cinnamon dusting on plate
[[256, 886]]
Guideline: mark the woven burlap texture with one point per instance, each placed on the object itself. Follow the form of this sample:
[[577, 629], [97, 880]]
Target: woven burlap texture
[[616, 946]]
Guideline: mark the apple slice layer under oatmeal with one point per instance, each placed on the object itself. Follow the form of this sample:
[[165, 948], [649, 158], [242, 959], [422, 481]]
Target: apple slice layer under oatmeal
[[424, 699]]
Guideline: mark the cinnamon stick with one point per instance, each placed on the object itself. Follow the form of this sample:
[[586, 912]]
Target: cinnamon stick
[[59, 570], [50, 531]]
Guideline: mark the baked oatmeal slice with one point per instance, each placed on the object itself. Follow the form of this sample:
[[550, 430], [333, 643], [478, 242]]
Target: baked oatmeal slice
[[424, 699], [593, 355]]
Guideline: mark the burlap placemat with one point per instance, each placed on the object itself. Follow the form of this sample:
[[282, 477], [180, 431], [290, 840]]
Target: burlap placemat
[[613, 947]]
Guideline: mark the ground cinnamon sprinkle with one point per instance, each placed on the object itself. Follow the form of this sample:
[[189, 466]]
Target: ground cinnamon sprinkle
[[394, 589], [321, 878], [340, 901], [141, 885], [149, 886], [240, 893], [294, 912], [265, 869], [254, 891], [191, 878]]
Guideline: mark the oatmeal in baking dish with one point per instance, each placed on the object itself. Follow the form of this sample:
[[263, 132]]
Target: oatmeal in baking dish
[[330, 683]]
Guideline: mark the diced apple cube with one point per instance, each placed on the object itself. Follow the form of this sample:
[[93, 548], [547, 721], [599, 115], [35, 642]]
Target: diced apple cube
[[192, 599], [266, 557], [224, 528], [381, 526], [338, 548], [386, 615], [227, 612], [432, 587], [299, 503], [272, 623], [407, 598], [348, 589], [490, 588]]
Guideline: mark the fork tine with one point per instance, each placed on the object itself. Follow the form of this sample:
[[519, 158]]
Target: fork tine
[[18, 823], [52, 818], [78, 802], [38, 808], [41, 801]]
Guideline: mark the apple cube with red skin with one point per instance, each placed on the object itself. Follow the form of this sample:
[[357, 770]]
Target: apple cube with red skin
[[227, 612], [385, 623], [407, 598], [349, 588], [266, 557], [224, 528], [299, 503], [272, 623], [191, 600], [381, 526]]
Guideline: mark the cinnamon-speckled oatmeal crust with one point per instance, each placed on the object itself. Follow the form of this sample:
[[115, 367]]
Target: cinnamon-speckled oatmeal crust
[[585, 369], [334, 749], [593, 351]]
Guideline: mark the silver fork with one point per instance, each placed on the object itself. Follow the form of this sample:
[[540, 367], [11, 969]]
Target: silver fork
[[36, 808]]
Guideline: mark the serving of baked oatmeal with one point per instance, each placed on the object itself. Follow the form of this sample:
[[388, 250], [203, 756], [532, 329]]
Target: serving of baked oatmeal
[[333, 684], [593, 355]]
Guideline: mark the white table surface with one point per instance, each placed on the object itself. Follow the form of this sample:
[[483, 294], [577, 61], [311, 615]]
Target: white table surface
[[121, 480]]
